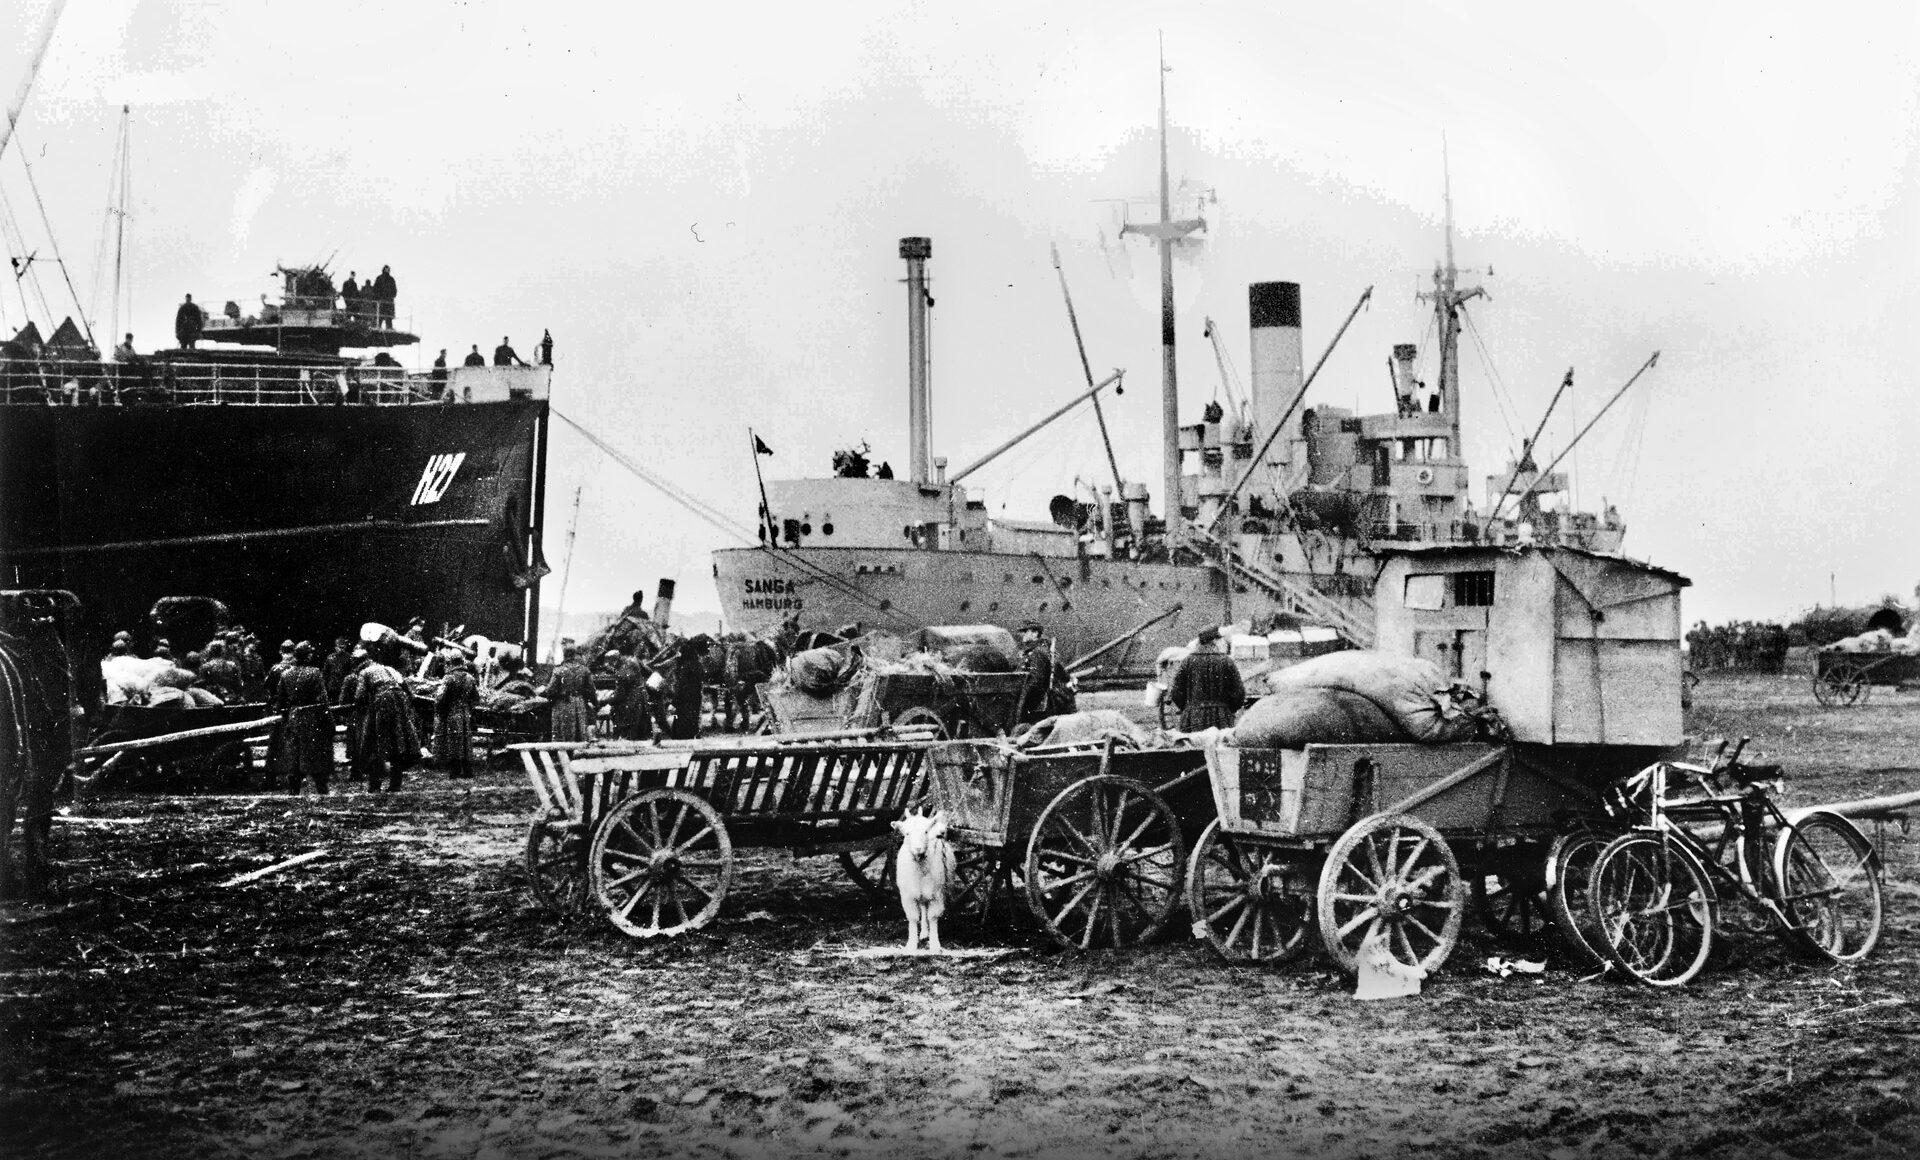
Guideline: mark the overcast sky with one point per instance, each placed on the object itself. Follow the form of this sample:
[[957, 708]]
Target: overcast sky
[[704, 202]]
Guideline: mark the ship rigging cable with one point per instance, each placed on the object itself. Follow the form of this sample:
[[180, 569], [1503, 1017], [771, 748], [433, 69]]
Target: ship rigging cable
[[721, 521], [1500, 393]]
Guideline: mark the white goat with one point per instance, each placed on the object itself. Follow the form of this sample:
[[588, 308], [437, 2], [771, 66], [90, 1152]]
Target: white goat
[[923, 867]]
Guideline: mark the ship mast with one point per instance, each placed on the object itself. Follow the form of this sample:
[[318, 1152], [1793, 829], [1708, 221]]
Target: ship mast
[[33, 70], [1165, 233], [1447, 298]]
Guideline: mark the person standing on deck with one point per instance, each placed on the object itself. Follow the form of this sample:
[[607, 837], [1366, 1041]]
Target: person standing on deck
[[475, 358], [350, 294], [188, 322], [689, 687], [546, 348], [453, 719], [438, 378], [385, 290], [570, 688], [1207, 688], [503, 355], [303, 743]]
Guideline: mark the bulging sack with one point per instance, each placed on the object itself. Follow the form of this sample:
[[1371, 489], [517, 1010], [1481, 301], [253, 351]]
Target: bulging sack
[[1410, 690], [818, 671], [1300, 717]]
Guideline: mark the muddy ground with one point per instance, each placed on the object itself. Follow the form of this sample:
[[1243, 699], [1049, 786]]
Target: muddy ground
[[401, 996]]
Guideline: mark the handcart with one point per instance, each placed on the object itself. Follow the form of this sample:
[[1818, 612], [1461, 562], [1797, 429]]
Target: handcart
[[1846, 678], [645, 834], [209, 747], [1390, 840], [1091, 835]]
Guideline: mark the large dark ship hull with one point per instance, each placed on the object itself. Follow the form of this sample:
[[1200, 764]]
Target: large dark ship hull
[[305, 520]]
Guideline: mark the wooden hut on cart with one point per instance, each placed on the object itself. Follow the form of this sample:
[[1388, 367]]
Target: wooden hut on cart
[[1572, 647]]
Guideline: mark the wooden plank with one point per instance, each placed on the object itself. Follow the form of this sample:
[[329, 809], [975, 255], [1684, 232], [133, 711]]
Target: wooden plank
[[183, 735], [277, 867]]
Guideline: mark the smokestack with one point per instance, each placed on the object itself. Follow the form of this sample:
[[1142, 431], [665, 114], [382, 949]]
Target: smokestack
[[916, 251], [663, 603], [1273, 319], [1403, 355]]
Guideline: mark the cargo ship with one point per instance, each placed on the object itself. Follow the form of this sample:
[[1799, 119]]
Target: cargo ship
[[307, 489], [1269, 515]]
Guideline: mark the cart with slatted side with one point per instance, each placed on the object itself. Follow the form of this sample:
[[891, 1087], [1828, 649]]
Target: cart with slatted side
[[1089, 836], [646, 834], [1844, 678]]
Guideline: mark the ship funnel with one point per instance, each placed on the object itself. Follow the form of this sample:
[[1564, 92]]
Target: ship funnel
[[663, 604], [1273, 319], [1403, 381], [916, 251]]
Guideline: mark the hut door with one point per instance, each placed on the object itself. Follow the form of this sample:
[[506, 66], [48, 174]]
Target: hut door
[[1460, 653]]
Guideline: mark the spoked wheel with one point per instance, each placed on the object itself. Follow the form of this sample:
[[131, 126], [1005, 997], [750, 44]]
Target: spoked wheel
[[1103, 864], [1653, 906], [981, 883], [1510, 895], [922, 716], [557, 867], [661, 863], [1569, 871], [1252, 901], [1830, 887], [1839, 685], [1392, 874], [874, 870]]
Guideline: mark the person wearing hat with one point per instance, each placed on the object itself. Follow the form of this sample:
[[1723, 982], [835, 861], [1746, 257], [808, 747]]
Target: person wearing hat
[[302, 745], [279, 669], [335, 668], [163, 648], [453, 718], [687, 686], [1207, 688], [1037, 694], [570, 688], [632, 705], [219, 674], [387, 740]]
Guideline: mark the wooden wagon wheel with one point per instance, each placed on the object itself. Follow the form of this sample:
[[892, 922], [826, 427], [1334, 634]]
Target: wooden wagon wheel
[[922, 715], [874, 869], [982, 881], [661, 863], [1395, 874], [1103, 863], [556, 866], [1839, 685], [1510, 894], [1253, 902], [1569, 869]]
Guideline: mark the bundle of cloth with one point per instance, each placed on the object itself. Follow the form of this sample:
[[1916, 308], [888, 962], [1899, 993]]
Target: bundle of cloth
[[1093, 726], [1880, 640], [1354, 697], [152, 681]]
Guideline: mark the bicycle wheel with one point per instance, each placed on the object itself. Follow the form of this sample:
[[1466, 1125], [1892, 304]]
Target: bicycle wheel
[[1653, 908], [1569, 870], [1828, 888], [1510, 896]]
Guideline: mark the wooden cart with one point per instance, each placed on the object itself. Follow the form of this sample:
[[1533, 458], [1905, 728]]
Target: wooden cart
[[1089, 835], [645, 834], [1846, 678], [1393, 839], [955, 705], [207, 747]]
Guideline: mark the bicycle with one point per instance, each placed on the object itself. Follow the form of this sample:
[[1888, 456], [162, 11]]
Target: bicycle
[[1654, 893]]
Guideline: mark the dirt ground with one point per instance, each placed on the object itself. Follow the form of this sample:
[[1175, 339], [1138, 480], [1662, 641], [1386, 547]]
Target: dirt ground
[[401, 995]]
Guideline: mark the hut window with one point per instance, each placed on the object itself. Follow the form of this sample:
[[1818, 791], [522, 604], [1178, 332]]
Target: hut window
[[1472, 589], [1424, 593]]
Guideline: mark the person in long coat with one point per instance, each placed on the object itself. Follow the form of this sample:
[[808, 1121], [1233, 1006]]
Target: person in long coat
[[1207, 688], [388, 741], [632, 714], [453, 718], [570, 688], [689, 687], [303, 742]]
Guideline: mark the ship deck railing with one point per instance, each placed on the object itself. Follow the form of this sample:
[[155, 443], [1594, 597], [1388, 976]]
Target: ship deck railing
[[261, 384]]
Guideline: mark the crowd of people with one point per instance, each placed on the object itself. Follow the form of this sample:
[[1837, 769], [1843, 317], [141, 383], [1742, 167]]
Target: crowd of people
[[1758, 646]]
